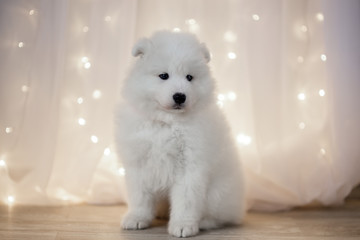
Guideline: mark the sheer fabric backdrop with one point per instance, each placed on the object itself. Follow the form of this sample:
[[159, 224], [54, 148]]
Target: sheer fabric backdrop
[[288, 81]]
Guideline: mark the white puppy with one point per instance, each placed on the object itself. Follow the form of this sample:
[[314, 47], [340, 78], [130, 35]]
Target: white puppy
[[174, 141]]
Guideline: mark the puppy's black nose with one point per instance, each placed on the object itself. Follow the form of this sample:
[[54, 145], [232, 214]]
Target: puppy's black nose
[[179, 98]]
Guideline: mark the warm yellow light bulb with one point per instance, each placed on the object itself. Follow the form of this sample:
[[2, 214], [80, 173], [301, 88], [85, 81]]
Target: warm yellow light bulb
[[87, 65], [80, 100], [221, 97], [322, 92], [231, 96], [2, 163], [24, 88], [8, 129], [81, 121], [243, 139], [107, 151], [97, 94], [301, 96], [94, 139], [320, 17], [232, 55], [322, 151], [11, 199], [31, 12], [21, 44], [191, 21], [255, 17], [323, 57], [229, 36], [121, 171]]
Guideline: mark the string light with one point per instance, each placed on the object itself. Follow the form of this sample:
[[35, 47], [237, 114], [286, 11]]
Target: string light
[[322, 92], [81, 121], [176, 29], [8, 130], [323, 57], [21, 44], [11, 199], [87, 65], [2, 163], [107, 19], [193, 25], [304, 28], [300, 59], [85, 29], [121, 171], [232, 55], [96, 94], [322, 151], [231, 96], [24, 88], [302, 125], [243, 139], [230, 36], [94, 139], [107, 151], [80, 100], [31, 12], [255, 17], [221, 97], [191, 21], [301, 96], [320, 17]]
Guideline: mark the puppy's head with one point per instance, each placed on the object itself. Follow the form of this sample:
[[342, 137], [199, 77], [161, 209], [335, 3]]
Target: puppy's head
[[171, 73]]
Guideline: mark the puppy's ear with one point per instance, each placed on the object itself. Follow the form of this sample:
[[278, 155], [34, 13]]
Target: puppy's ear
[[141, 47], [205, 52]]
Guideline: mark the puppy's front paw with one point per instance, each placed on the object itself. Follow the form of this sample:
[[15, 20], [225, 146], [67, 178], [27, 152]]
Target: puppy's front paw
[[183, 229], [134, 222]]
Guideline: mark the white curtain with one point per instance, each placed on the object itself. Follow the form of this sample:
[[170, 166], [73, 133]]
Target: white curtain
[[288, 81]]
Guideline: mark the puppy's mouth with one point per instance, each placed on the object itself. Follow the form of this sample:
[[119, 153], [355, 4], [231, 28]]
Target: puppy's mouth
[[178, 106]]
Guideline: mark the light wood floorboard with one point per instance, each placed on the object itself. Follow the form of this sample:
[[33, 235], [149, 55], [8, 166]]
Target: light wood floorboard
[[88, 222]]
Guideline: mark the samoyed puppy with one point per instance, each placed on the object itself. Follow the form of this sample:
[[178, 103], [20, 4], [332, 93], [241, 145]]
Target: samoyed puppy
[[174, 141]]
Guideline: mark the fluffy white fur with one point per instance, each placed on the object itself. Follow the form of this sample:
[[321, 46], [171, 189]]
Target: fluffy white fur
[[182, 154]]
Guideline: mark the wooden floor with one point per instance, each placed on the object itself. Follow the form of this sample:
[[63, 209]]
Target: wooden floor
[[102, 222]]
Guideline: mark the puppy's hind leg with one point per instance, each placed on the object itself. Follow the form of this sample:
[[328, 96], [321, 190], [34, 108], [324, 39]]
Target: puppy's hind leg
[[225, 206]]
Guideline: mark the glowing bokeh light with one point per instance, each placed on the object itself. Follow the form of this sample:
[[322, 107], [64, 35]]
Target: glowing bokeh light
[[255, 17]]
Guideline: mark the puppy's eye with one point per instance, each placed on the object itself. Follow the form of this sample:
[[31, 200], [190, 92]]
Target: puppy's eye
[[189, 77], [164, 76]]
